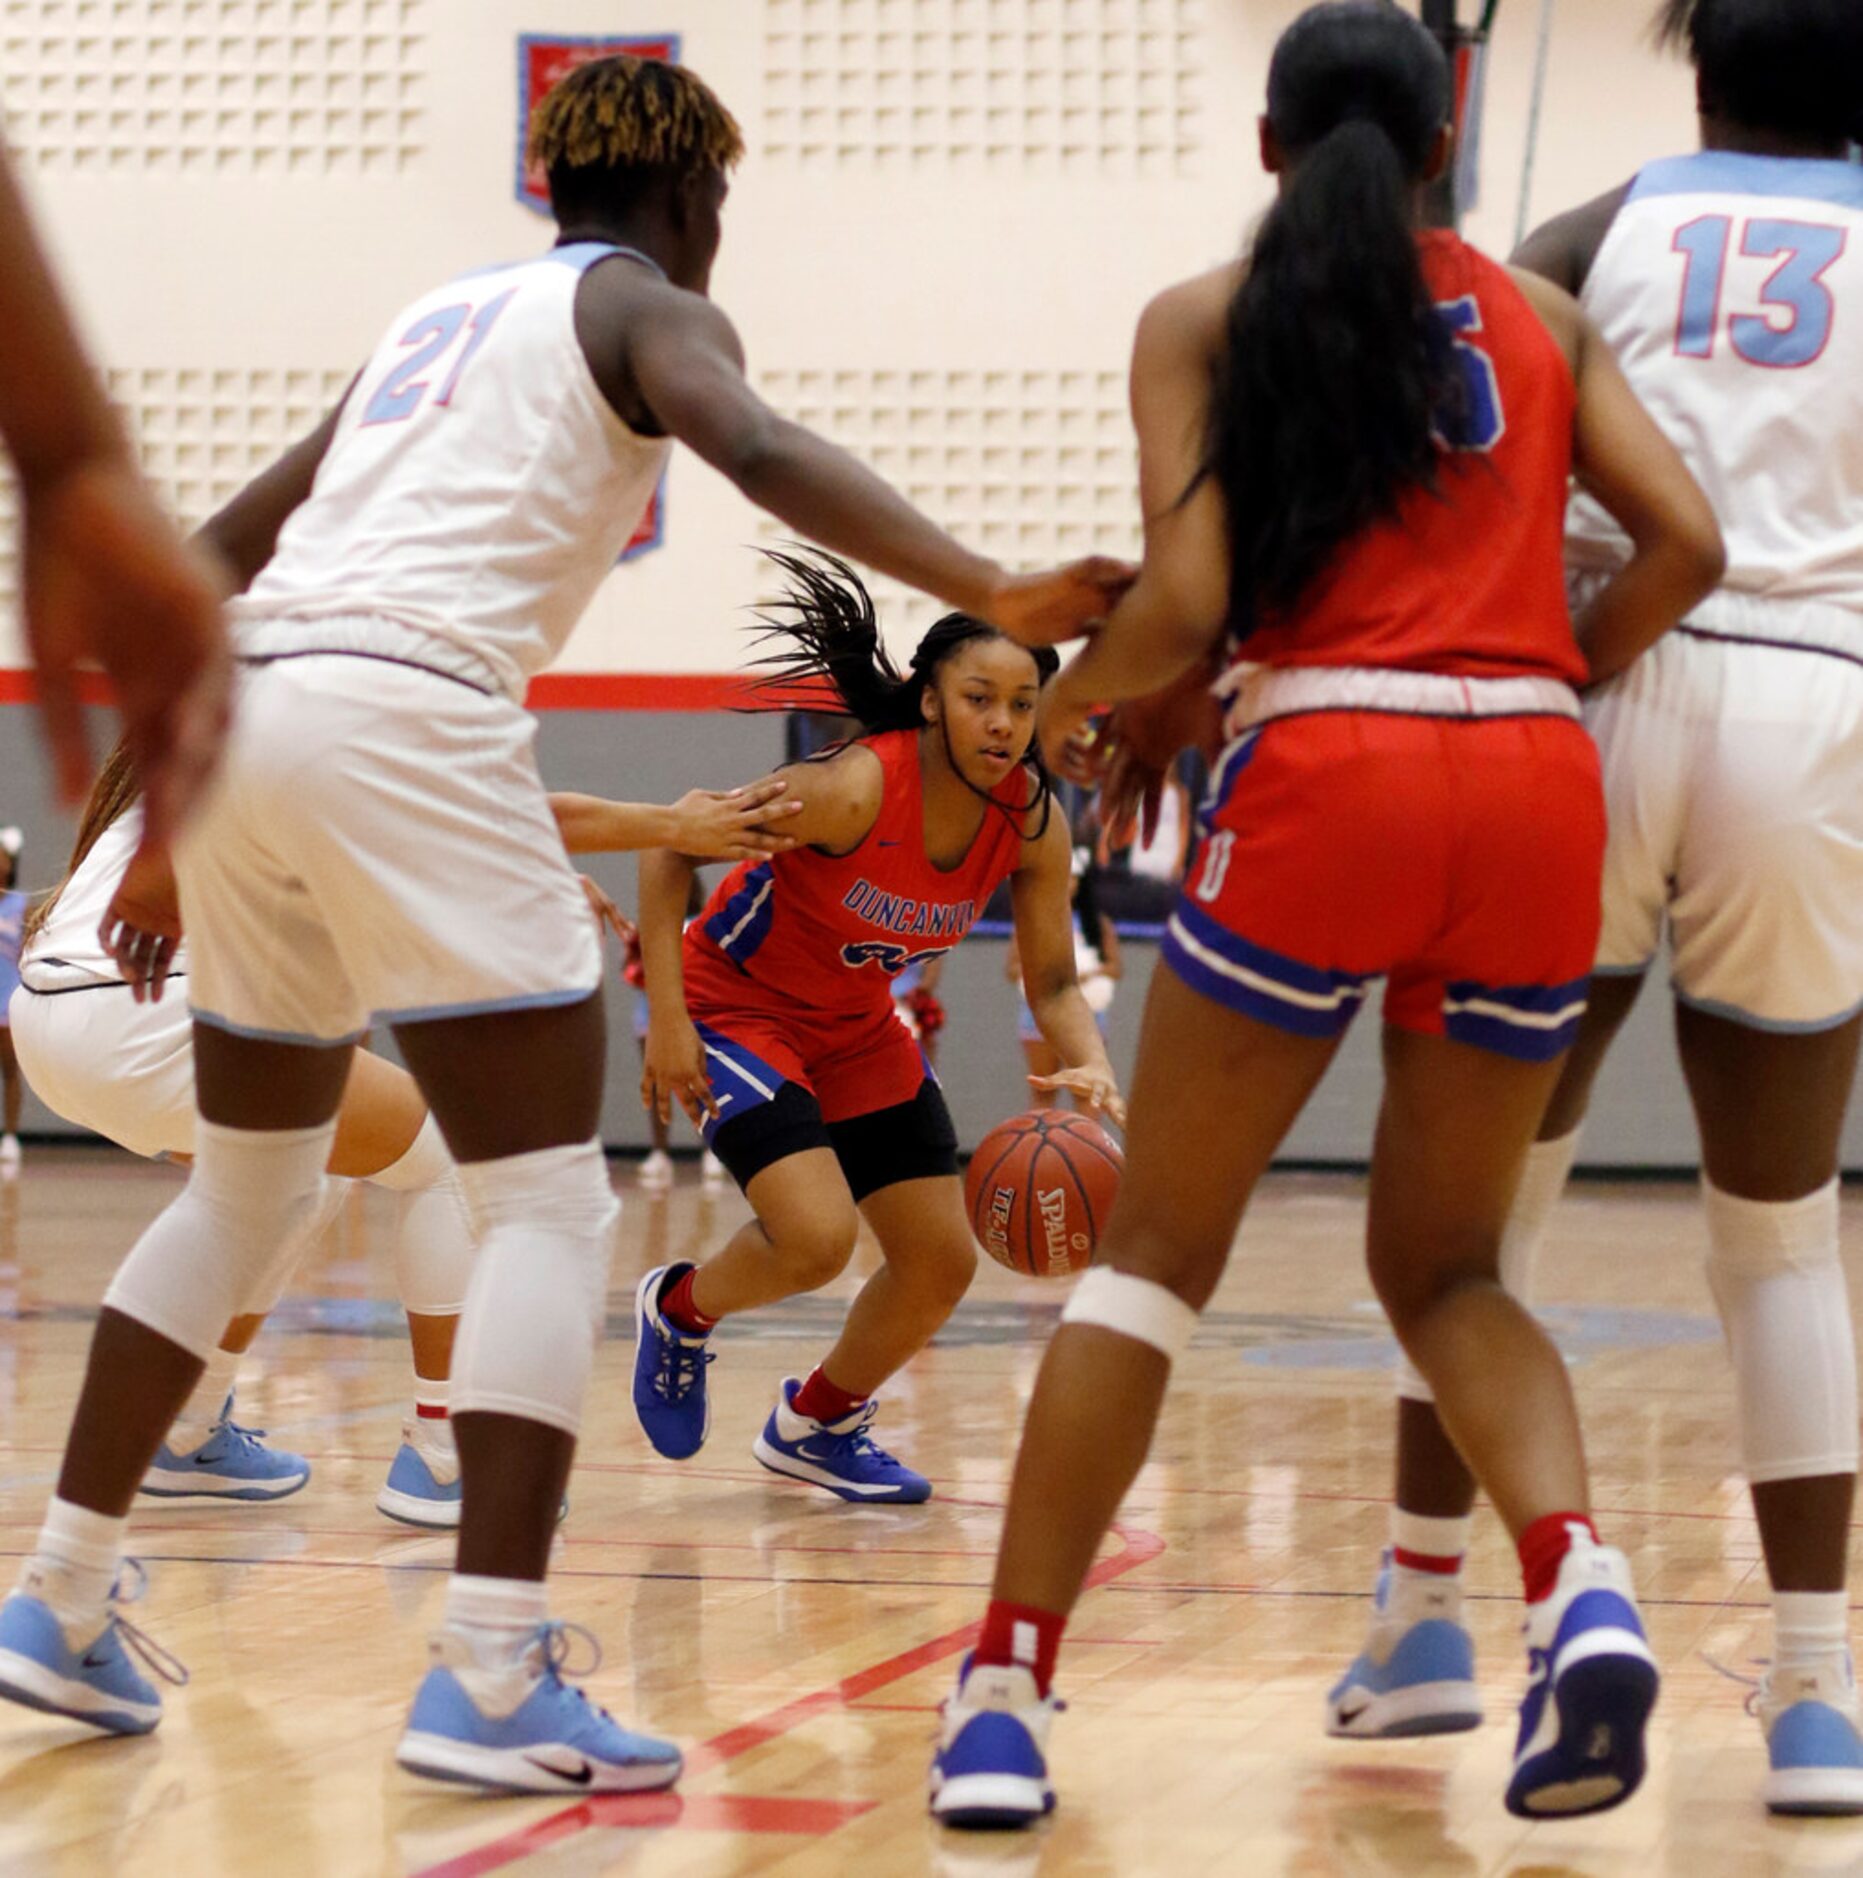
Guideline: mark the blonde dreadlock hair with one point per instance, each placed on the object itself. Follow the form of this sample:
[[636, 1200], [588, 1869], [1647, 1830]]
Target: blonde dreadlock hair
[[619, 114], [112, 795]]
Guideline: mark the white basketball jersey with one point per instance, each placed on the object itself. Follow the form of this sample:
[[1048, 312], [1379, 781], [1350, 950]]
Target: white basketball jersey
[[478, 488], [65, 951], [1731, 288]]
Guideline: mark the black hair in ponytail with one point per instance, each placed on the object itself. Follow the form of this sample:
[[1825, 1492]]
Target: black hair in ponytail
[[1793, 67], [1336, 370], [830, 642]]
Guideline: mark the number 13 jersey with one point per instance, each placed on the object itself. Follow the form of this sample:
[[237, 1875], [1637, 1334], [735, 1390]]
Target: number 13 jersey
[[477, 490], [1731, 289]]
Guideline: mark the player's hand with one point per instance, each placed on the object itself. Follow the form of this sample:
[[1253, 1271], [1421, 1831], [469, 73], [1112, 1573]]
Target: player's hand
[[1048, 609], [1063, 730], [607, 913], [141, 927], [1095, 1087], [107, 577], [734, 824], [1131, 791], [673, 1069]]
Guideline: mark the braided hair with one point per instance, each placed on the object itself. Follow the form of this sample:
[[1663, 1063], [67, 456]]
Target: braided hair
[[830, 653]]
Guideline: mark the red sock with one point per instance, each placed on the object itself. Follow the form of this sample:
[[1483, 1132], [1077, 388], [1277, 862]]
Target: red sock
[[824, 1401], [1543, 1547], [677, 1308], [1020, 1635]]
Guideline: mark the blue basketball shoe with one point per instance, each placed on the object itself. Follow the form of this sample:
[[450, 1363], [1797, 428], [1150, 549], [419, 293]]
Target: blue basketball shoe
[[990, 1769], [422, 1488], [1812, 1744], [1593, 1684], [1416, 1673], [669, 1372], [524, 1729], [840, 1456], [96, 1683], [233, 1463]]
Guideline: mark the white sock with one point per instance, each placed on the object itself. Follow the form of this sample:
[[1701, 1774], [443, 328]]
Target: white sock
[[1439, 1540], [1811, 1629], [202, 1409], [496, 1619], [74, 1565]]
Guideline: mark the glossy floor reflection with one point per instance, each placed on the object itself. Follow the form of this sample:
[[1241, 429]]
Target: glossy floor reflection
[[800, 1646]]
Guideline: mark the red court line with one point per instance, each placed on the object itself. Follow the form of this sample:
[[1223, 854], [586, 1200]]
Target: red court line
[[1137, 1547]]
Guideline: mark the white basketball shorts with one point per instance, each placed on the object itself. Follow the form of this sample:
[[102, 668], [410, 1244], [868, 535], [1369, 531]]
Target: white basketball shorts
[[121, 1069], [377, 848], [1733, 777]]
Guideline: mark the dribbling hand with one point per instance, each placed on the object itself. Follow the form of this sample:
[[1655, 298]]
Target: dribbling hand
[[1049, 609], [1094, 1087], [673, 1068], [141, 928]]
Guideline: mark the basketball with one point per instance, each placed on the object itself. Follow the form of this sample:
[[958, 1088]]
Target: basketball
[[1039, 1190]]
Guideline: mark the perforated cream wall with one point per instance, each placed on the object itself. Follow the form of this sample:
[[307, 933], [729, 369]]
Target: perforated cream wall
[[950, 217]]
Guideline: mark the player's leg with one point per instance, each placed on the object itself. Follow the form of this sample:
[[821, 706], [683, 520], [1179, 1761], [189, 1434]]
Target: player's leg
[[1771, 1108], [264, 1135], [656, 1170], [518, 1095], [1452, 1135], [1416, 1674], [1213, 1095], [901, 1167], [11, 1089]]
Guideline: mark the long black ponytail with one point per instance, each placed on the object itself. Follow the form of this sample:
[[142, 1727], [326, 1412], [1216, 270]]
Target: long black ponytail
[[831, 655], [1793, 67], [1336, 370]]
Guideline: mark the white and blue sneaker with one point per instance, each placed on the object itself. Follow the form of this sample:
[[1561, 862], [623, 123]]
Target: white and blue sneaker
[[669, 1372], [1816, 1755], [422, 1488], [1592, 1685], [991, 1770], [233, 1463], [1416, 1673], [524, 1729], [96, 1684], [841, 1456]]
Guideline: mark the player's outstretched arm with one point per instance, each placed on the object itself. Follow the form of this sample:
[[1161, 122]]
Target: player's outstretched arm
[[704, 824], [1623, 458], [684, 357], [1041, 903], [1174, 613], [105, 574]]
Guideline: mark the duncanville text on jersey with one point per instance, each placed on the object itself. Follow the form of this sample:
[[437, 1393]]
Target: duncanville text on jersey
[[944, 919]]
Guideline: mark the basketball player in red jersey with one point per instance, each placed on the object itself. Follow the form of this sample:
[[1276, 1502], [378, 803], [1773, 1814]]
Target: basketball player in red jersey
[[774, 1023], [1354, 451]]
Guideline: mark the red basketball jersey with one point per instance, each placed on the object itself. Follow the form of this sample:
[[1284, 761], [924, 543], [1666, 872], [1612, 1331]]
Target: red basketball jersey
[[831, 931], [1469, 580]]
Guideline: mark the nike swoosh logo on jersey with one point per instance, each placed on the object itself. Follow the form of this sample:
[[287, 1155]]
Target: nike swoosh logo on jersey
[[886, 844], [582, 1776]]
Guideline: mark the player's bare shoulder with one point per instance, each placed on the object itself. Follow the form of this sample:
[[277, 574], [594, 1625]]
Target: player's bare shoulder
[[841, 792], [624, 309], [1187, 318], [1559, 312]]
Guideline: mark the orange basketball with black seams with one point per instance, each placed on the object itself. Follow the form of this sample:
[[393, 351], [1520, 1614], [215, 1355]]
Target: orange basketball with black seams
[[1039, 1190]]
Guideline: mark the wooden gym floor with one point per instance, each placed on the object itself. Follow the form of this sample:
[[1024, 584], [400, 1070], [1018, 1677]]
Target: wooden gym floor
[[798, 1647]]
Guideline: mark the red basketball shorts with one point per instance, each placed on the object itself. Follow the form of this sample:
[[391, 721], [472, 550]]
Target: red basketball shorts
[[1457, 858]]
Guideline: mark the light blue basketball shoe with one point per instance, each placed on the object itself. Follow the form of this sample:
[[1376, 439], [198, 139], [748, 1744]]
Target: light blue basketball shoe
[[841, 1456], [1813, 1749], [1593, 1684], [422, 1488], [95, 1683], [233, 1463], [1416, 1673], [525, 1730], [990, 1771]]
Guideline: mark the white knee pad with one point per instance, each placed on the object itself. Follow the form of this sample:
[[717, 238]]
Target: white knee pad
[[434, 1246], [539, 1292], [263, 1297], [1778, 1279], [251, 1198], [1138, 1308], [1542, 1181]]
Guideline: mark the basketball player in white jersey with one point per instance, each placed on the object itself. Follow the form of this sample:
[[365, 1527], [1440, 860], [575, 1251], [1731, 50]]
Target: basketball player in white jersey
[[1730, 284], [380, 848], [123, 1066]]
